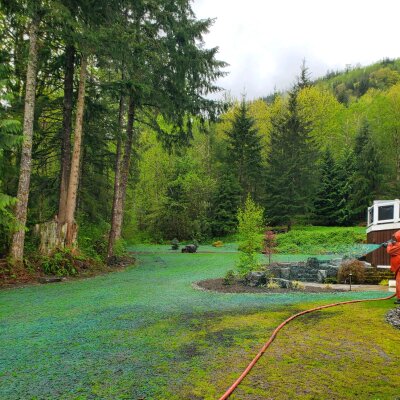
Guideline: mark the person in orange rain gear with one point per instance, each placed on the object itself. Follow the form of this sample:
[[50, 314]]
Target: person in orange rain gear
[[393, 249]]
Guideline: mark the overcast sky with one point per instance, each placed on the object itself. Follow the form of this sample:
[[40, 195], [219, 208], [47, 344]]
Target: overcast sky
[[265, 41]]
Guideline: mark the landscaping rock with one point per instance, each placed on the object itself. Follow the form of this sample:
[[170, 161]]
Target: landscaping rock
[[393, 317], [120, 261], [322, 275], [51, 279], [312, 263], [283, 283], [190, 248], [285, 273], [255, 278]]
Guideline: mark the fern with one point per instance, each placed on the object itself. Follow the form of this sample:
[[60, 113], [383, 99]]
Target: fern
[[9, 128]]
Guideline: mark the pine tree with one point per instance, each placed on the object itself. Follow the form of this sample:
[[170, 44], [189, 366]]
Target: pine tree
[[328, 193], [244, 153], [226, 204], [367, 170], [345, 170], [291, 172]]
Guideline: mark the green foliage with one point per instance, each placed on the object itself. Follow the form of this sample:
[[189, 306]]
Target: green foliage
[[291, 174], [225, 205], [92, 239], [10, 137], [319, 240], [355, 81], [229, 277], [330, 280], [60, 263], [175, 244], [120, 247], [244, 149], [250, 219], [366, 177], [345, 171], [328, 195]]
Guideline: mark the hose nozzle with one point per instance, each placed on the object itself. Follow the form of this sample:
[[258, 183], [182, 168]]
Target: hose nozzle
[[386, 244]]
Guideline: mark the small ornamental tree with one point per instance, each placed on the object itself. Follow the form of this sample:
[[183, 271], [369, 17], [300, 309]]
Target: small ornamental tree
[[269, 244], [250, 219]]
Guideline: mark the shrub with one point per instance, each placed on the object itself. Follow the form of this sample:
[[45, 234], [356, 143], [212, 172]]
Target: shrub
[[218, 243], [272, 284], [384, 282], [354, 267], [229, 277], [175, 244], [120, 248], [250, 221], [269, 244], [60, 263], [331, 280], [93, 240], [297, 285]]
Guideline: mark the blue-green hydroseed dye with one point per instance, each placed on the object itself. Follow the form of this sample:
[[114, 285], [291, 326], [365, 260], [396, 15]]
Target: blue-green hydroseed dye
[[114, 336]]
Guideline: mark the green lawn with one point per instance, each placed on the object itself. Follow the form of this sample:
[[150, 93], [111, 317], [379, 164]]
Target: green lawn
[[145, 333]]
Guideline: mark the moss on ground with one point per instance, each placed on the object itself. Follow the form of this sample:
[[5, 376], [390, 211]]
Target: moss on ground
[[146, 333]]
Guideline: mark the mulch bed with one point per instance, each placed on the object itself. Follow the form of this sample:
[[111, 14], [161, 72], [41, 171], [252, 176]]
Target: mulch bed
[[239, 286]]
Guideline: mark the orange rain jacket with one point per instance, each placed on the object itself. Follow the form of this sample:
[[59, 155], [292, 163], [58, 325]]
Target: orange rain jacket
[[393, 250]]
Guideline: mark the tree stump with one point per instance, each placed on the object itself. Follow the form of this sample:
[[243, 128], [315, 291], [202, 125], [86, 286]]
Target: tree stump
[[53, 236]]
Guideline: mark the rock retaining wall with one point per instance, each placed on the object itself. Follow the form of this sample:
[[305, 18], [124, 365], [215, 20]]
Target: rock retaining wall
[[313, 270]]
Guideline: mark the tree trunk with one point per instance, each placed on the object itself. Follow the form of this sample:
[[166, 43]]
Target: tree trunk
[[21, 209], [121, 182], [75, 161], [66, 131], [117, 179]]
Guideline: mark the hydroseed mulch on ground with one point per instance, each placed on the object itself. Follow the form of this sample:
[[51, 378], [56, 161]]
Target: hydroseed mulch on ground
[[145, 333]]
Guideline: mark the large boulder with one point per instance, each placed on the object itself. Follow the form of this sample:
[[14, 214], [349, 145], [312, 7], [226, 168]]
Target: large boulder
[[283, 283], [322, 275], [255, 278], [284, 273], [190, 248]]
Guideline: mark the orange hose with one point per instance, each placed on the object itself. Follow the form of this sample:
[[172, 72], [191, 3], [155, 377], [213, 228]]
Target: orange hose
[[271, 339]]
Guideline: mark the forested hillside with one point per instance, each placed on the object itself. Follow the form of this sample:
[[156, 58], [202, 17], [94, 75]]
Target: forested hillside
[[108, 132], [305, 156]]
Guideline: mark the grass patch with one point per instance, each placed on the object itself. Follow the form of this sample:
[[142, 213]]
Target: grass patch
[[319, 240], [146, 333]]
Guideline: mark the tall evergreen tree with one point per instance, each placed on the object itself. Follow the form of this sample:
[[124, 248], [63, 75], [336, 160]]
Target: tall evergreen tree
[[226, 204], [367, 171], [244, 153], [21, 209], [169, 72], [345, 170], [328, 192], [291, 170]]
